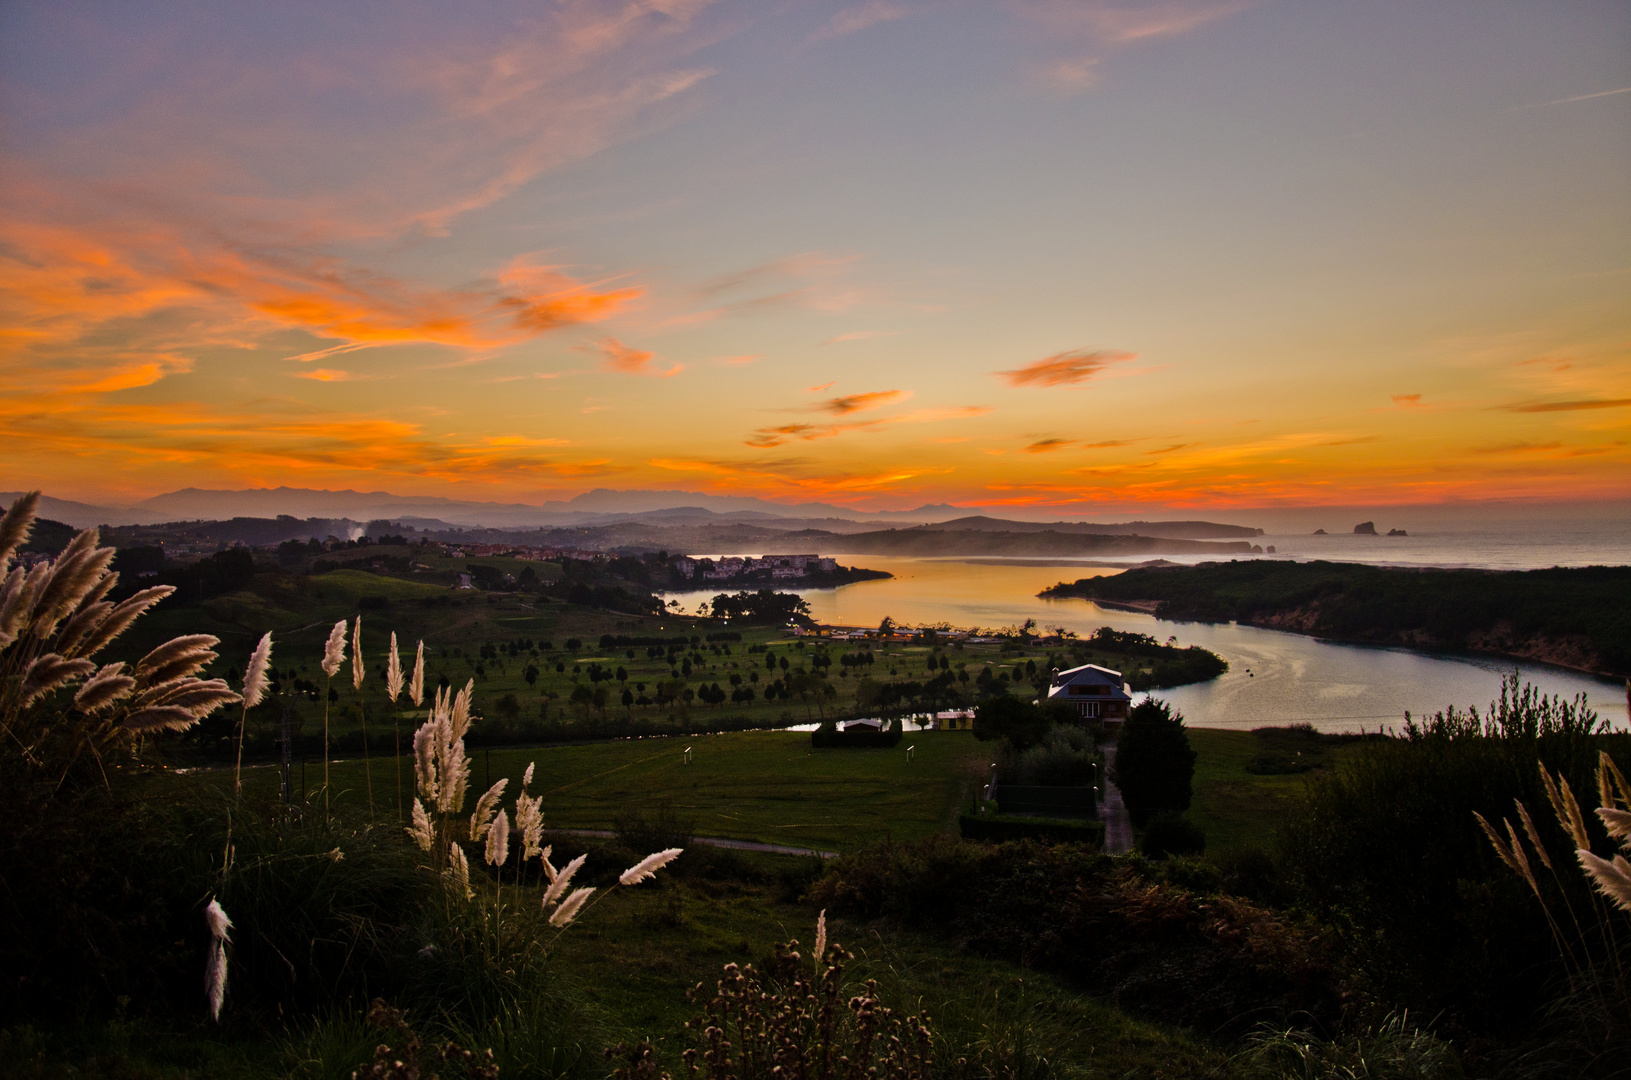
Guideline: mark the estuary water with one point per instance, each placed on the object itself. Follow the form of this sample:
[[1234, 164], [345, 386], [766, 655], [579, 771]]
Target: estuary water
[[1273, 677]]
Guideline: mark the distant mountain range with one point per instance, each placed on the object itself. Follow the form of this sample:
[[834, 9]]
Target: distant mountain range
[[602, 507]]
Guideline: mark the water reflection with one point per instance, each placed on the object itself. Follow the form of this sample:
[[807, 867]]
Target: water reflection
[[1273, 677]]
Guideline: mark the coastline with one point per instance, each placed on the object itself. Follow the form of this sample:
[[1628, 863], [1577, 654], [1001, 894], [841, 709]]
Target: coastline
[[1553, 653]]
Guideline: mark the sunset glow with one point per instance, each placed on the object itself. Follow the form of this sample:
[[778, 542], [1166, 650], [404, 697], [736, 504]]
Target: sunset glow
[[1050, 255]]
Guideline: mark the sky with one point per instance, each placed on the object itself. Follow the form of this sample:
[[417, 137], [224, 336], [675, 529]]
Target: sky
[[1052, 256]]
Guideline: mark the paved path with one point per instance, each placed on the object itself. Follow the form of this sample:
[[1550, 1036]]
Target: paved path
[[1118, 827], [715, 841]]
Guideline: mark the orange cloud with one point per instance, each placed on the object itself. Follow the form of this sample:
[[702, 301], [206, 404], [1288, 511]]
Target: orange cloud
[[765, 438], [1066, 368], [632, 361], [1406, 399], [851, 403], [324, 375], [1043, 446]]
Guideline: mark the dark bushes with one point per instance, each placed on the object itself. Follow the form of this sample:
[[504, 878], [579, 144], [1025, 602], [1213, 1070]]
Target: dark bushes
[[1157, 939], [828, 736], [1389, 849], [1171, 834]]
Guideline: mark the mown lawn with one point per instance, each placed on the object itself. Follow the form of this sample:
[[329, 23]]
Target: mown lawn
[[1237, 808], [756, 785]]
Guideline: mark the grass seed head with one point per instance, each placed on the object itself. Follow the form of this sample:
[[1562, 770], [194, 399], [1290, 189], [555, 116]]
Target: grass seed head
[[570, 907], [416, 687], [485, 806], [334, 650], [498, 840], [255, 672], [357, 670], [393, 671], [648, 866], [422, 831]]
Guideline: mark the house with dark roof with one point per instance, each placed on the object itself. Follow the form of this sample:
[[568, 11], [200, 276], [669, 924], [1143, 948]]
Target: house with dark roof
[[1094, 692]]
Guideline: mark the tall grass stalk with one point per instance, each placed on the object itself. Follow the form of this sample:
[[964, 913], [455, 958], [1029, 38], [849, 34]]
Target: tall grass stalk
[[333, 657], [393, 690], [254, 690], [357, 672]]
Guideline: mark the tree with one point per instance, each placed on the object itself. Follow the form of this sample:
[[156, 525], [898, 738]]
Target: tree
[[1007, 717], [1154, 767], [531, 675]]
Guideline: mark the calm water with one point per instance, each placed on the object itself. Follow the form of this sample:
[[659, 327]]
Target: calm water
[[1273, 677]]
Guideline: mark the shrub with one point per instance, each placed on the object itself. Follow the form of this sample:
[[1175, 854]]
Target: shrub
[[1388, 848], [794, 1020], [1064, 757], [1157, 937], [1007, 717], [1170, 833]]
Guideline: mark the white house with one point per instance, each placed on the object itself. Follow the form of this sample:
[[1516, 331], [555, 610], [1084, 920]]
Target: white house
[[1096, 693]]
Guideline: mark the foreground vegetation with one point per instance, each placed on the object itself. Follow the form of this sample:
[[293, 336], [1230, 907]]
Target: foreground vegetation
[[1575, 617], [179, 924]]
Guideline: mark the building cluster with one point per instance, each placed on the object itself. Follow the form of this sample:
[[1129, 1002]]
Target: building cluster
[[730, 567], [521, 551]]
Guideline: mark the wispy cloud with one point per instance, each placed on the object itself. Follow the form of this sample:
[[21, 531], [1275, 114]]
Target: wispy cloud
[[737, 361], [1572, 100], [325, 375], [817, 389], [616, 356], [803, 431], [1128, 22], [1066, 368], [1577, 405], [852, 20], [859, 335], [1407, 399], [853, 403], [1044, 446]]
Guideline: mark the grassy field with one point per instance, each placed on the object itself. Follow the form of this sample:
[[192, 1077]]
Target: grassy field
[[1237, 808], [758, 785], [771, 786]]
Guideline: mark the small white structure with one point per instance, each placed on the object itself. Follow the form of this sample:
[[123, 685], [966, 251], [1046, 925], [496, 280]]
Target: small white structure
[[1096, 693]]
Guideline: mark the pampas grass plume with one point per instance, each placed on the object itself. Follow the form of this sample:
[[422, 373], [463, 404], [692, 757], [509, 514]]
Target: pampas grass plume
[[357, 669], [334, 650], [422, 832], [562, 880], [570, 907], [821, 936], [484, 810], [648, 866], [255, 672], [393, 671], [416, 688], [215, 972], [460, 871], [498, 840], [104, 688], [1613, 879]]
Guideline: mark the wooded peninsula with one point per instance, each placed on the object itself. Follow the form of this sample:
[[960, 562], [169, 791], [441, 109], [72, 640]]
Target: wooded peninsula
[[1578, 618]]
